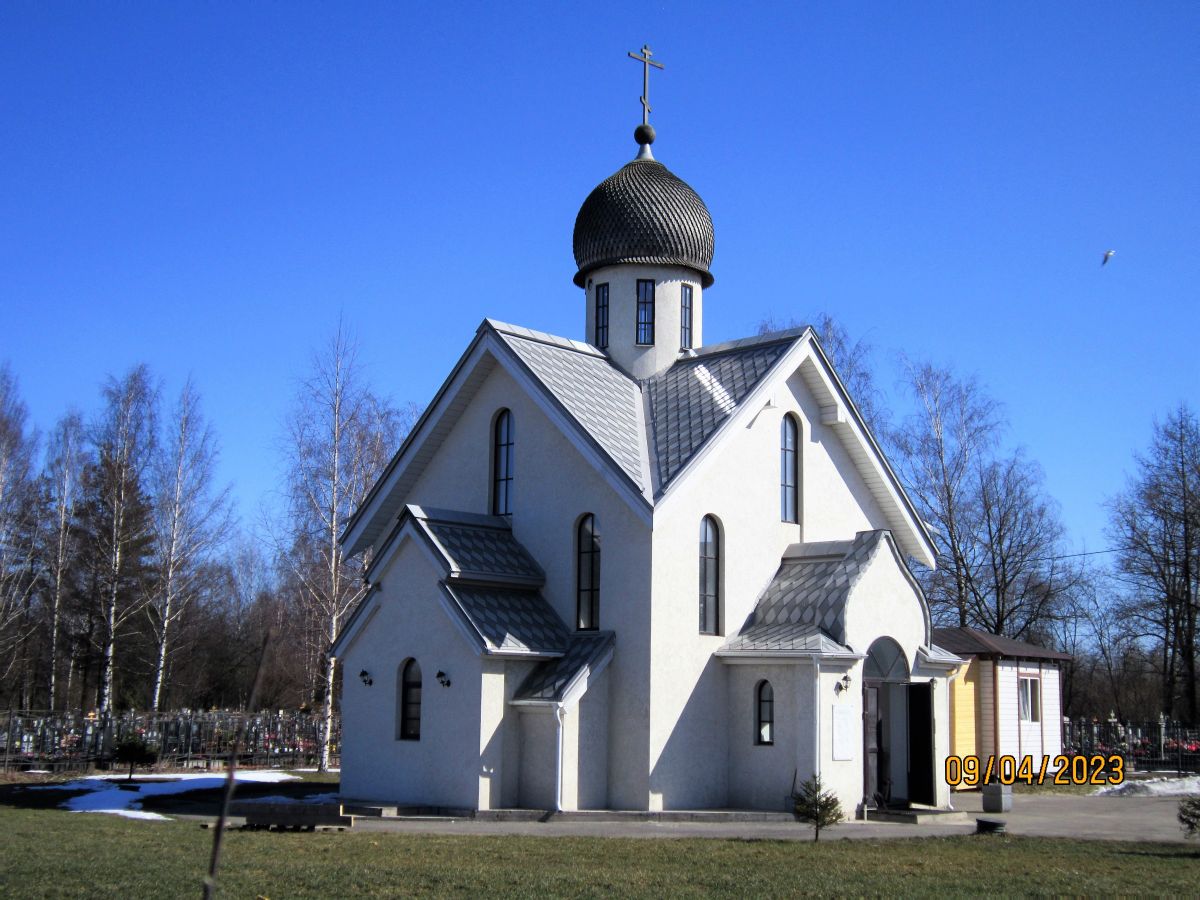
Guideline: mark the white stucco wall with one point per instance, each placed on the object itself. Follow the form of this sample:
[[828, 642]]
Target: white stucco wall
[[760, 776], [644, 361], [442, 768], [539, 749], [553, 485]]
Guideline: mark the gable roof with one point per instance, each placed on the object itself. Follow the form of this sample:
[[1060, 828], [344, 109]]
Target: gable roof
[[642, 436], [696, 395], [964, 641], [803, 609], [490, 583]]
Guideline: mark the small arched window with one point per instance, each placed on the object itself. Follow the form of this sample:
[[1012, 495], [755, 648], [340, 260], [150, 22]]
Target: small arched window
[[710, 576], [764, 699], [502, 464], [789, 470], [587, 573], [409, 712]]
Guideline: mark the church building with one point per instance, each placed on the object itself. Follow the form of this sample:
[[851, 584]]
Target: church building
[[637, 571]]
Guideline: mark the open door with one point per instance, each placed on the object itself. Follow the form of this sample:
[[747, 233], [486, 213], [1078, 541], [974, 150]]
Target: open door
[[871, 740], [920, 744]]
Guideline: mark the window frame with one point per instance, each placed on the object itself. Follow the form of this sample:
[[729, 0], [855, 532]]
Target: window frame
[[685, 317], [764, 714], [587, 558], [601, 310], [1029, 698], [502, 463], [644, 321], [789, 470], [408, 724], [709, 593]]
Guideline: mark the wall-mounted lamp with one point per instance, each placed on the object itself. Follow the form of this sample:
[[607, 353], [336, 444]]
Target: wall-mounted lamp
[[843, 685], [443, 678], [366, 678]]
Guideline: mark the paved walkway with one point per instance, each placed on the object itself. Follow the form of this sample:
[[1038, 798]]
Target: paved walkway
[[1049, 815]]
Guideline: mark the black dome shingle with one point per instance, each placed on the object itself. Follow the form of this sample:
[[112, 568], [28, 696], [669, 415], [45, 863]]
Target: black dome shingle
[[643, 214]]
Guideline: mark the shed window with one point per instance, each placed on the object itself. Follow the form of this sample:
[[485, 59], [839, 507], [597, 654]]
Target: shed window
[[789, 470], [645, 311], [502, 464], [710, 576], [765, 699], [1030, 699], [410, 702], [587, 574]]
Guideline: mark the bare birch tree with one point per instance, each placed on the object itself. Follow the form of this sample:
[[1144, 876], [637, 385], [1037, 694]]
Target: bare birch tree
[[18, 522], [191, 517], [63, 471], [340, 436], [124, 441]]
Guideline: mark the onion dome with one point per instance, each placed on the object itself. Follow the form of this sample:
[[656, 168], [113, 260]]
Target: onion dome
[[643, 214]]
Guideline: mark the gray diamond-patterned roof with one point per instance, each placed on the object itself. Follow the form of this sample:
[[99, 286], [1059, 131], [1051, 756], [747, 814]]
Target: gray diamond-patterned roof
[[684, 413], [511, 619], [597, 394], [489, 551], [807, 597], [643, 213], [549, 679]]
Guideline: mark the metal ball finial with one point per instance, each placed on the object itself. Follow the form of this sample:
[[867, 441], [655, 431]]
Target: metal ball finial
[[644, 134]]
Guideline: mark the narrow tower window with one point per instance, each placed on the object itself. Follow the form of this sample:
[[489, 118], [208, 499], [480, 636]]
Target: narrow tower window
[[602, 316], [409, 726], [587, 574], [710, 576], [645, 311], [765, 700], [789, 474], [502, 464], [685, 318]]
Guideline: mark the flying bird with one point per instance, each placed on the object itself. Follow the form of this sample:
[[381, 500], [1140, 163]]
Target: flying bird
[[1108, 254]]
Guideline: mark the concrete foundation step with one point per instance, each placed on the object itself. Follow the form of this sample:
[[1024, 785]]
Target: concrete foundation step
[[918, 816], [618, 815]]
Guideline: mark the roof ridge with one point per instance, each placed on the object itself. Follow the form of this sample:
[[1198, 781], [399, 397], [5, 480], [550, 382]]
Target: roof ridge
[[545, 337], [457, 517], [757, 340]]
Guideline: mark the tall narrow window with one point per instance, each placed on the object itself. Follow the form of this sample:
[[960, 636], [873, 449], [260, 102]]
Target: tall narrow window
[[409, 688], [710, 576], [685, 318], [587, 574], [789, 470], [764, 733], [1030, 699], [502, 464], [645, 311], [602, 316]]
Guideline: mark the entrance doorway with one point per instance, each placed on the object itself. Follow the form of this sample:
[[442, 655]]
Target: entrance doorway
[[898, 758]]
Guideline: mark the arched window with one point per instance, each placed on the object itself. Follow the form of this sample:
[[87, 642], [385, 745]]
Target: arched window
[[502, 464], [587, 573], [710, 576], [789, 470], [764, 698], [409, 713]]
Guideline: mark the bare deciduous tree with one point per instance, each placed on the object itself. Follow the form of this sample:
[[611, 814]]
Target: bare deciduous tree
[[191, 517], [340, 436], [18, 521], [1156, 523], [62, 477], [124, 442]]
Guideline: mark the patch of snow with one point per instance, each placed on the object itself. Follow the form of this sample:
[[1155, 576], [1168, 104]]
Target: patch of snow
[[1154, 787], [37, 771], [103, 796]]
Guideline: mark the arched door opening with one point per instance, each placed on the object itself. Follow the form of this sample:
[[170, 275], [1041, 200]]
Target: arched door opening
[[897, 731]]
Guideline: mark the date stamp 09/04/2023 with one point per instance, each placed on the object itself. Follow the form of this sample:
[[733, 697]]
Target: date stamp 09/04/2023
[[974, 771]]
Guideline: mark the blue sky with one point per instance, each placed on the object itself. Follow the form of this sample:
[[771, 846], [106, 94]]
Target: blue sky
[[207, 187]]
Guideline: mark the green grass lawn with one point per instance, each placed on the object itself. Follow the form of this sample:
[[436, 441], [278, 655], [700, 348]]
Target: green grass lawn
[[50, 853]]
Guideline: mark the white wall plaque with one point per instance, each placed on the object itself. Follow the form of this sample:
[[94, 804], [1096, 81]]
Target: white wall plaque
[[847, 731]]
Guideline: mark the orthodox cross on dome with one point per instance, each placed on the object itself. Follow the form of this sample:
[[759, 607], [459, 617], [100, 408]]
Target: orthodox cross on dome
[[646, 62]]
